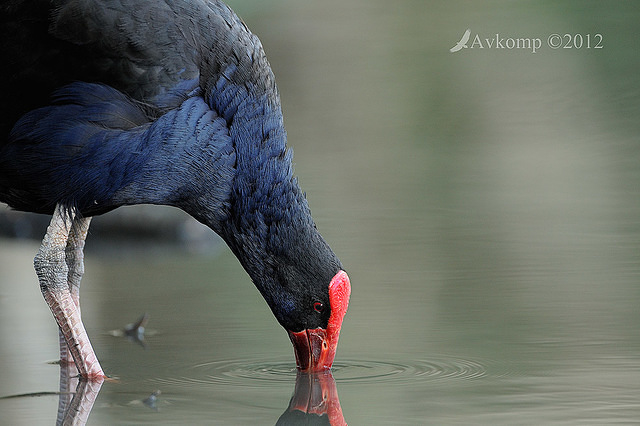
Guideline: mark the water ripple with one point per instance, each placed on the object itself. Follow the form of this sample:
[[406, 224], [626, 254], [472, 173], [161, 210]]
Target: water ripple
[[442, 368], [253, 373]]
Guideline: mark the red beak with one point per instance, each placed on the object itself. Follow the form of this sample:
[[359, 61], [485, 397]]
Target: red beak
[[315, 348], [312, 349]]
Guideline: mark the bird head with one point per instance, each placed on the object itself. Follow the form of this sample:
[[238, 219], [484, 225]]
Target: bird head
[[310, 303], [315, 342], [305, 286]]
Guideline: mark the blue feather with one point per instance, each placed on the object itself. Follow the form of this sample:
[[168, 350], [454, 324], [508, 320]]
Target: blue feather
[[95, 149]]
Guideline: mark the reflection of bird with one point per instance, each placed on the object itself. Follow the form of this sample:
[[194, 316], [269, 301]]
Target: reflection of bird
[[463, 41], [314, 401], [159, 103]]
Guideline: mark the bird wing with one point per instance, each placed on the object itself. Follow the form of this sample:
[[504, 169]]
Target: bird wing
[[145, 49], [49, 44], [95, 149], [161, 68], [141, 48]]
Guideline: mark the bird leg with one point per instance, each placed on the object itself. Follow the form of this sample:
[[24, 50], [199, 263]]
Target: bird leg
[[59, 283], [74, 257]]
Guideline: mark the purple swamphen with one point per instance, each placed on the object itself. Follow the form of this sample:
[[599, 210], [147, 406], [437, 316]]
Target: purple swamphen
[[173, 102]]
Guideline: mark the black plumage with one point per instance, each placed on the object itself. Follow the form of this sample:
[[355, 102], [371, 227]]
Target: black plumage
[[112, 103]]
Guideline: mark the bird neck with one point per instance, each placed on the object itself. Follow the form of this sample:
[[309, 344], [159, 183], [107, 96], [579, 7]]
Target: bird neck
[[266, 219], [269, 220]]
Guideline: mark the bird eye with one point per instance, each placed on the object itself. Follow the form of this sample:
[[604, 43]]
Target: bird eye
[[318, 307]]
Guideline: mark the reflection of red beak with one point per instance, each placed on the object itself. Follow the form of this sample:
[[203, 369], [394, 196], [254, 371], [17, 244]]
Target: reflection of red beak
[[316, 393], [315, 348]]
